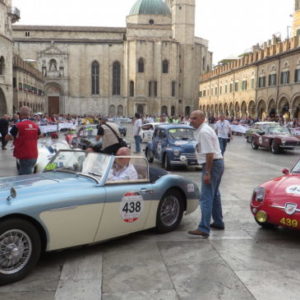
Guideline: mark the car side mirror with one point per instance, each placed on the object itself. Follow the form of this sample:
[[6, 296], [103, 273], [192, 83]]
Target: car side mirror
[[285, 171]]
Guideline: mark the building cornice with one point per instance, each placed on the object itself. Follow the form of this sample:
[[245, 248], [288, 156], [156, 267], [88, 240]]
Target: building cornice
[[69, 28], [67, 41]]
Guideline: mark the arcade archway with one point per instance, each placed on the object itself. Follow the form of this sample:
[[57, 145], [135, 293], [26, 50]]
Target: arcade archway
[[3, 106], [262, 110]]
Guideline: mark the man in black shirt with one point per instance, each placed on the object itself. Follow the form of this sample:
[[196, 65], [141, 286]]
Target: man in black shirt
[[4, 130]]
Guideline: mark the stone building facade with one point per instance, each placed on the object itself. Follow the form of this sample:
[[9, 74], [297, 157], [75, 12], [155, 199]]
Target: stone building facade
[[265, 82], [28, 86], [7, 16], [151, 66]]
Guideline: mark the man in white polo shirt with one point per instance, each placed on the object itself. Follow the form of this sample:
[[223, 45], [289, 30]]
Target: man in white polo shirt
[[223, 131], [209, 156]]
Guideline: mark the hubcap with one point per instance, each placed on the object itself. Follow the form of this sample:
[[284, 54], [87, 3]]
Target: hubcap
[[169, 210], [15, 251]]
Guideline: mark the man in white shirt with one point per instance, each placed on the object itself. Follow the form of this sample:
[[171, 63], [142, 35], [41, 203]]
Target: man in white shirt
[[122, 170], [223, 131], [210, 157], [136, 132]]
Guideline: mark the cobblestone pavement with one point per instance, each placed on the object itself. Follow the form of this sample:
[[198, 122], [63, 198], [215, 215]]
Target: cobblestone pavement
[[242, 262]]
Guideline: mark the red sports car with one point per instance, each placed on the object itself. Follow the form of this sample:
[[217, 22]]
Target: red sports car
[[277, 202], [276, 138]]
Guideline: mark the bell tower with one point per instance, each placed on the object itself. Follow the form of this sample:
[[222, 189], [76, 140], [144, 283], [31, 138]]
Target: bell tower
[[183, 20], [296, 22]]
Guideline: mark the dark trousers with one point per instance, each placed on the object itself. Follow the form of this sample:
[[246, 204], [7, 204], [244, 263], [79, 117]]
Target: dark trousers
[[112, 149], [4, 142], [223, 144]]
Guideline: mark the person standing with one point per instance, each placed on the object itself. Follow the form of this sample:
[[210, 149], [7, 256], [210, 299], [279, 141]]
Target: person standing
[[224, 133], [109, 132], [210, 157], [4, 123], [25, 135], [136, 132]]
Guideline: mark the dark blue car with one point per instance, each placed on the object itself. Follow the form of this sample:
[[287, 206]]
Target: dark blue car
[[173, 145]]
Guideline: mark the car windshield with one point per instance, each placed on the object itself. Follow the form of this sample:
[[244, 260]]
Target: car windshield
[[87, 132], [182, 134], [279, 130], [296, 169], [90, 164]]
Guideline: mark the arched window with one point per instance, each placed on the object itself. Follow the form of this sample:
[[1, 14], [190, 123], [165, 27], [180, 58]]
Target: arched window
[[165, 66], [187, 110], [131, 88], [173, 111], [204, 63], [2, 65], [141, 65], [120, 110], [116, 80], [112, 110], [164, 110], [95, 78]]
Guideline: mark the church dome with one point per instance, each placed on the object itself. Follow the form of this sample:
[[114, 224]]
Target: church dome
[[150, 7]]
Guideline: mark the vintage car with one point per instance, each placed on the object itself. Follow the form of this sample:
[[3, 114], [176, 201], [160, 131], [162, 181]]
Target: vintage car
[[275, 138], [277, 202], [76, 201], [46, 151], [86, 137], [147, 131], [257, 128], [173, 145]]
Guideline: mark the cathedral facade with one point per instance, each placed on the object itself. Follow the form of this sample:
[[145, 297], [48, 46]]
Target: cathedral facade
[[151, 66]]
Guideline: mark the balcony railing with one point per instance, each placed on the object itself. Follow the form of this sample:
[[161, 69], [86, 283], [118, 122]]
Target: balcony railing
[[14, 13]]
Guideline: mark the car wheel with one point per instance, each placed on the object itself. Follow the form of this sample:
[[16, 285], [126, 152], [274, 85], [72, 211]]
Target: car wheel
[[275, 148], [169, 212], [265, 225], [20, 249], [166, 163], [254, 145], [149, 156]]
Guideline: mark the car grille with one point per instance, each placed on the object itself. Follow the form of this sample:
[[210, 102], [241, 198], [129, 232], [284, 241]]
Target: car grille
[[189, 155], [291, 144]]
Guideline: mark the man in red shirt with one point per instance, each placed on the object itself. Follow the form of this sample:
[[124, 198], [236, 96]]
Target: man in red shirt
[[25, 135]]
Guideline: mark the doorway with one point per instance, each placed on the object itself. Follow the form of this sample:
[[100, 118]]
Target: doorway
[[53, 105]]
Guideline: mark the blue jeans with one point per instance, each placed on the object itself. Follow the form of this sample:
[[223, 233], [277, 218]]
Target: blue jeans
[[138, 140], [210, 198], [223, 144], [26, 166]]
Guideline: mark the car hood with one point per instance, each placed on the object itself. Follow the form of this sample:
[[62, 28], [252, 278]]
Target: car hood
[[41, 184], [284, 187], [185, 144], [287, 138]]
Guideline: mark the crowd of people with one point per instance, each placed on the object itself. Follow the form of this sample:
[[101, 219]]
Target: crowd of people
[[24, 130]]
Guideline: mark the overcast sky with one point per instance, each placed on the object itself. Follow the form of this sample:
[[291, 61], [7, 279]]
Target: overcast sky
[[231, 26]]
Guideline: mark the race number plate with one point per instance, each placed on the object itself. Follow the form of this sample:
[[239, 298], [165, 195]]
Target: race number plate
[[132, 205]]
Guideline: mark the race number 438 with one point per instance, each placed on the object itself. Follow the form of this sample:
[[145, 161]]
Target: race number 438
[[132, 205]]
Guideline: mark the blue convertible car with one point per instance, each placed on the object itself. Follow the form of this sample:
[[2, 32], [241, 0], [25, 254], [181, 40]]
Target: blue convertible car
[[173, 145], [77, 201]]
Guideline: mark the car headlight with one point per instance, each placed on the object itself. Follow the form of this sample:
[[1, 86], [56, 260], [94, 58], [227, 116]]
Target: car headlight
[[261, 216], [258, 194], [176, 152]]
